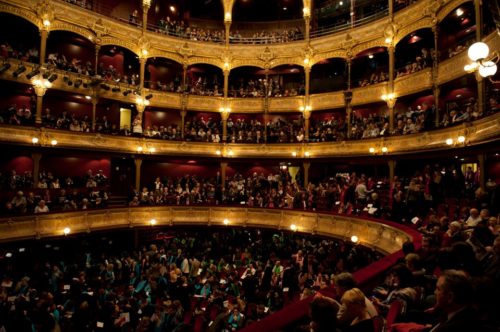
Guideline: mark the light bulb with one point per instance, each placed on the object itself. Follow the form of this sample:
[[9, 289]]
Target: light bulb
[[488, 68], [478, 51]]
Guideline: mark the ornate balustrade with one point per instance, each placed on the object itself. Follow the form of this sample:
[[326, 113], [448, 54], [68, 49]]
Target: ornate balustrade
[[378, 235], [478, 132]]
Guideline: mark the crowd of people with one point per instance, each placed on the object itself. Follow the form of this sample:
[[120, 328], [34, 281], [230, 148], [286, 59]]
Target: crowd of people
[[421, 61], [182, 29], [225, 280], [260, 88], [209, 280], [52, 193], [20, 52]]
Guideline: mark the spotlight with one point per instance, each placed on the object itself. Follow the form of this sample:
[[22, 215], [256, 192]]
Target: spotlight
[[52, 78], [68, 80], [148, 97], [105, 87], [21, 69], [85, 85], [4, 67], [126, 92], [116, 89], [46, 75], [33, 73], [78, 82]]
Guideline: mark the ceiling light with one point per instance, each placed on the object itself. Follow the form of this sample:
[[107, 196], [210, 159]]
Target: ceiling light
[[459, 12], [370, 56]]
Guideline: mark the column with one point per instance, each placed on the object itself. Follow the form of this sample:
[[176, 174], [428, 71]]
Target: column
[[224, 115], [145, 8], [44, 33], [36, 167], [390, 105], [226, 83], [436, 91], [138, 163], [349, 67], [142, 61], [227, 25], [392, 166], [140, 109], [348, 107], [223, 166], [307, 116], [481, 158], [96, 65], [94, 109], [40, 92], [390, 89], [184, 78], [307, 72], [183, 122], [307, 25], [306, 165], [479, 37], [435, 72]]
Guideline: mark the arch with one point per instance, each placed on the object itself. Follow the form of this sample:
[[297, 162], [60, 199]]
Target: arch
[[111, 41], [449, 7], [163, 74], [328, 75], [29, 16], [359, 48], [419, 25], [456, 30], [250, 63], [63, 26], [208, 61]]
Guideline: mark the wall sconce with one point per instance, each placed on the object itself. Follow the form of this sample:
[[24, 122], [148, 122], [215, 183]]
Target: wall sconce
[[152, 222], [305, 108], [53, 142], [218, 152], [140, 149], [230, 153], [225, 222], [42, 84], [227, 17], [66, 231], [294, 154], [385, 149], [460, 140], [35, 140], [293, 227], [306, 11], [307, 154], [482, 61], [144, 52], [371, 150], [388, 97], [142, 101], [225, 110], [354, 239], [152, 150], [46, 23]]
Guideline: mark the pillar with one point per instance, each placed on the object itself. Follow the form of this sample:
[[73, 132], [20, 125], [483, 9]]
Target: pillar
[[479, 37], [184, 78], [392, 167], [349, 67], [44, 34], [224, 116], [36, 167], [307, 25], [348, 107], [390, 89], [226, 83], [94, 109], [390, 105], [436, 91], [183, 122], [307, 72], [305, 166], [40, 92], [223, 166], [138, 163], [481, 158], [96, 65], [142, 62], [307, 116], [227, 25], [145, 9]]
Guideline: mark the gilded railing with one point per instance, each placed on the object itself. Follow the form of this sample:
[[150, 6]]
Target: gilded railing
[[378, 235], [477, 132]]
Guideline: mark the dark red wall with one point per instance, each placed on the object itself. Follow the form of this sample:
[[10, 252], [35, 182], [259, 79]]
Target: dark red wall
[[19, 164], [150, 170], [63, 46], [74, 166], [19, 100], [162, 118], [58, 105]]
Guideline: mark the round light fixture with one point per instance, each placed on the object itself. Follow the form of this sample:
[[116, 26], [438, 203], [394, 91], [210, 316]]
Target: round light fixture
[[354, 239], [478, 51]]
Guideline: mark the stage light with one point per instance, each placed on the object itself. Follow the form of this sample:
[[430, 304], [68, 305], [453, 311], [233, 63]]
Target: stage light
[[126, 92], [78, 82], [115, 89], [33, 73], [5, 67], [21, 69], [52, 78], [148, 97]]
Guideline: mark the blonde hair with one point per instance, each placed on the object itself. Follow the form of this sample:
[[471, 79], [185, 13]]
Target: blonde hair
[[353, 296]]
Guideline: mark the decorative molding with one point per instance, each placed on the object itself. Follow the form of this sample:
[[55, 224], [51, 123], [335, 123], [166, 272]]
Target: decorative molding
[[377, 235]]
